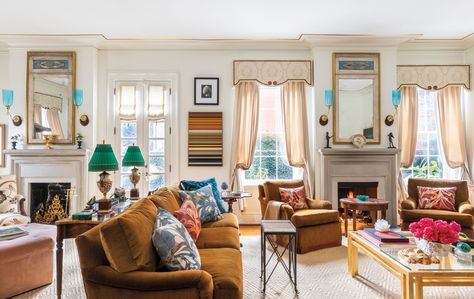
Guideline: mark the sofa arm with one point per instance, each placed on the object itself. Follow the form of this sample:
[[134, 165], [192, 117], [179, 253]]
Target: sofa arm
[[466, 208], [20, 199], [154, 281], [319, 204], [409, 204]]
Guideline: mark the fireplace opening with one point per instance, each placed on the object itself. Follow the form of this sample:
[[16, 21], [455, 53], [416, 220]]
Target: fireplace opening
[[49, 201], [351, 190]]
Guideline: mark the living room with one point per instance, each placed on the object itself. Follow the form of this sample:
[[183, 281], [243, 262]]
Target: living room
[[257, 141]]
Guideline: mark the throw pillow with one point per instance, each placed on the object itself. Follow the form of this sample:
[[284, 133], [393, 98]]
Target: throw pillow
[[188, 185], [437, 198], [295, 197], [13, 219], [204, 202], [189, 217], [174, 244], [8, 200]]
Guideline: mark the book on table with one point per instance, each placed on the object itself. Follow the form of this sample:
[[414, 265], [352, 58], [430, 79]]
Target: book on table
[[10, 233], [377, 240], [386, 237]]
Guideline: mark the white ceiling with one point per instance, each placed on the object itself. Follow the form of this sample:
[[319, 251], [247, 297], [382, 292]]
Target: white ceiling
[[243, 19]]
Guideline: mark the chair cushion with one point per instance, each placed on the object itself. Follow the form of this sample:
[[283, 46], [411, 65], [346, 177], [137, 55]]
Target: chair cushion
[[8, 200], [164, 198], [219, 237], [437, 198], [272, 188], [465, 220], [189, 217], [309, 217], [462, 190], [204, 202], [127, 238], [228, 220], [173, 243], [13, 219], [295, 197], [189, 185]]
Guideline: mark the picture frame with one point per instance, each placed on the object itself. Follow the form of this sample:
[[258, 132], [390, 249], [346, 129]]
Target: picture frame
[[3, 136], [206, 91]]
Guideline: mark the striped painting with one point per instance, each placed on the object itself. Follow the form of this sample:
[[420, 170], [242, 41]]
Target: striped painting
[[205, 141]]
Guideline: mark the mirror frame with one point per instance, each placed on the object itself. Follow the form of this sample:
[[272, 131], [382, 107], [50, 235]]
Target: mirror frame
[[355, 74], [71, 56]]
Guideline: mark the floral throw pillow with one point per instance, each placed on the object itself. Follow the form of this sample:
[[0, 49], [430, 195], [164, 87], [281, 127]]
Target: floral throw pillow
[[205, 203], [7, 219], [189, 217], [173, 243], [295, 197], [8, 200], [437, 198]]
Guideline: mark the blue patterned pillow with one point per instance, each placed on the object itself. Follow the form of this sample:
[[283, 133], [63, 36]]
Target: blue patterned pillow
[[174, 244], [204, 202], [188, 185]]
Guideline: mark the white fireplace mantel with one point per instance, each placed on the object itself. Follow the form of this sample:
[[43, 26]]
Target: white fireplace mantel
[[50, 166]]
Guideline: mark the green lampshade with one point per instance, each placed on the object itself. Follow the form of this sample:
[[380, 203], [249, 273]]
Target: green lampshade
[[133, 157], [103, 159]]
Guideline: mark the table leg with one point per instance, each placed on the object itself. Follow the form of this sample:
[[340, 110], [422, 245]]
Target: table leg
[[384, 214], [231, 209], [353, 258], [354, 220], [295, 261], [346, 214], [403, 288], [264, 262], [59, 260], [418, 288], [409, 288]]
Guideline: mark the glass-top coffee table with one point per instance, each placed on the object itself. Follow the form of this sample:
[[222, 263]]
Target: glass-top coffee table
[[413, 277]]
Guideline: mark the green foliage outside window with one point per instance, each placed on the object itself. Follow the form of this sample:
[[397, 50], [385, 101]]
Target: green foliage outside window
[[423, 169]]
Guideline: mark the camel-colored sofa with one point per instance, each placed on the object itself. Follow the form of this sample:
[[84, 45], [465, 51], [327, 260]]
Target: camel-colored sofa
[[218, 243], [317, 227], [464, 214]]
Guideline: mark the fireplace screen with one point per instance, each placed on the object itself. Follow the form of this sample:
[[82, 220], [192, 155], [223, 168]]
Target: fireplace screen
[[49, 201]]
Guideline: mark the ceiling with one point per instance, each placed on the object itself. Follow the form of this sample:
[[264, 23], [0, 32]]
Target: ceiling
[[243, 19]]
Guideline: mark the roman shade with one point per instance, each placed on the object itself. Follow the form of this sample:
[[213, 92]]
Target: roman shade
[[433, 77]]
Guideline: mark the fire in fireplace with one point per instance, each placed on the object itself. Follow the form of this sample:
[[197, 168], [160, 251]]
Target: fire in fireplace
[[49, 201]]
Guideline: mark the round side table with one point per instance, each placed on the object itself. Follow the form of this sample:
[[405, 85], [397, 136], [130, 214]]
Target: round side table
[[373, 205]]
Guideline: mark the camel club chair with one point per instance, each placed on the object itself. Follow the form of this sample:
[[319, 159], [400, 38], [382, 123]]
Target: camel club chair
[[317, 227]]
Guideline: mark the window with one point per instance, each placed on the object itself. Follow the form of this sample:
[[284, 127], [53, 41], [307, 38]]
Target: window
[[143, 120], [270, 160]]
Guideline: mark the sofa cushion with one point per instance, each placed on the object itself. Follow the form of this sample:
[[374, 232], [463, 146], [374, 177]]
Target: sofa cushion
[[437, 198], [228, 220], [189, 185], [189, 217], [126, 238], [204, 202], [219, 237], [13, 219], [163, 198], [225, 267], [295, 197], [272, 188], [173, 243], [310, 217], [8, 200], [465, 220]]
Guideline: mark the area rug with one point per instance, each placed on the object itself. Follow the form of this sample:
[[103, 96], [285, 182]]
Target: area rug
[[321, 274]]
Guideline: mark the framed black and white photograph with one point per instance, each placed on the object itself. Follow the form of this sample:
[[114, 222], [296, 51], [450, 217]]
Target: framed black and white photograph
[[206, 91]]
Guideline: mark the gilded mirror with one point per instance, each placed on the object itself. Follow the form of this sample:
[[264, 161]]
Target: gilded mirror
[[356, 88], [50, 109]]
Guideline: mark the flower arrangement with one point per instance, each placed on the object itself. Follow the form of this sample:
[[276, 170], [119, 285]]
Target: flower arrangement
[[438, 231]]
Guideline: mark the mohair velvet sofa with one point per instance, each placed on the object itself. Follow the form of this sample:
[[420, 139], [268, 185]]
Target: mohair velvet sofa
[[464, 214], [317, 227], [218, 243]]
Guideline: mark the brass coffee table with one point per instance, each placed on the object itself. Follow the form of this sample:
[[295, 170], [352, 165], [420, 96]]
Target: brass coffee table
[[413, 277]]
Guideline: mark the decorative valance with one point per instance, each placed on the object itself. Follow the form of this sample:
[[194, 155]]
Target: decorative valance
[[48, 101], [434, 77], [273, 72]]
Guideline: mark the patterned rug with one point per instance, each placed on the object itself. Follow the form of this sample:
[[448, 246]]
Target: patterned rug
[[321, 274]]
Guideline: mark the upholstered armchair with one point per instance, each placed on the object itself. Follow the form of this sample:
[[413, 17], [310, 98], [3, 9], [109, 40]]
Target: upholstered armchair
[[317, 227], [464, 214], [12, 205]]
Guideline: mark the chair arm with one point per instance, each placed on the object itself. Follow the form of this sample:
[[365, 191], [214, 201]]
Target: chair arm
[[466, 208], [277, 208], [21, 200], [153, 281], [319, 204], [409, 204], [287, 210]]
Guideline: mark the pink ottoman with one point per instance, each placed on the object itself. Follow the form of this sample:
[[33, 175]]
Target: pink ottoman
[[27, 262]]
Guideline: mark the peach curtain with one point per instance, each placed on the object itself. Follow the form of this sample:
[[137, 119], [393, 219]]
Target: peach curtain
[[295, 125], [55, 123], [246, 111], [451, 127]]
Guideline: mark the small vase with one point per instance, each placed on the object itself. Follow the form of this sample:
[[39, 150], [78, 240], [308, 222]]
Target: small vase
[[14, 145], [79, 144], [433, 249]]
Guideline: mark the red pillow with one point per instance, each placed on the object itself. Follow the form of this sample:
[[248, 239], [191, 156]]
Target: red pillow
[[189, 217], [437, 198], [295, 197]]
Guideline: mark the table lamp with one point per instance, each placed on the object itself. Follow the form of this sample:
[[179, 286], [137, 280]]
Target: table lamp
[[133, 157], [104, 160]]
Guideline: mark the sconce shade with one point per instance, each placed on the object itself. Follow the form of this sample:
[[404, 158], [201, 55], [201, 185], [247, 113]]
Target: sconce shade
[[133, 157], [396, 97], [103, 159], [78, 97], [7, 97], [328, 98]]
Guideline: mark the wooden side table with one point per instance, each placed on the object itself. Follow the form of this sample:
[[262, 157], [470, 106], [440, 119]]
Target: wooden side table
[[233, 197], [373, 205]]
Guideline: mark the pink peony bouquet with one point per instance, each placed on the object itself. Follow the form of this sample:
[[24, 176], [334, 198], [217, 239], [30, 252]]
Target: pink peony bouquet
[[435, 231]]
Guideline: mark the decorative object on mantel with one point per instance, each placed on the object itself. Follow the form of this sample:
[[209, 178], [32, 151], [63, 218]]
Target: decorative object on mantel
[[78, 100], [49, 138], [133, 157], [206, 91], [104, 160], [15, 139], [79, 139], [328, 138], [328, 102], [7, 97], [205, 126], [433, 77], [358, 140], [273, 72], [3, 133], [390, 140]]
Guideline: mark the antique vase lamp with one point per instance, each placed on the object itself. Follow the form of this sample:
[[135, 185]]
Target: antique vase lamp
[[104, 160], [7, 99], [328, 102], [133, 157]]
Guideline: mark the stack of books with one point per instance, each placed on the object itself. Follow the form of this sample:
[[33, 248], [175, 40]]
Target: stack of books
[[386, 239], [11, 233]]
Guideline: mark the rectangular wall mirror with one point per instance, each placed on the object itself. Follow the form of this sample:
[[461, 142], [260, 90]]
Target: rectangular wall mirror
[[357, 97], [50, 108]]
